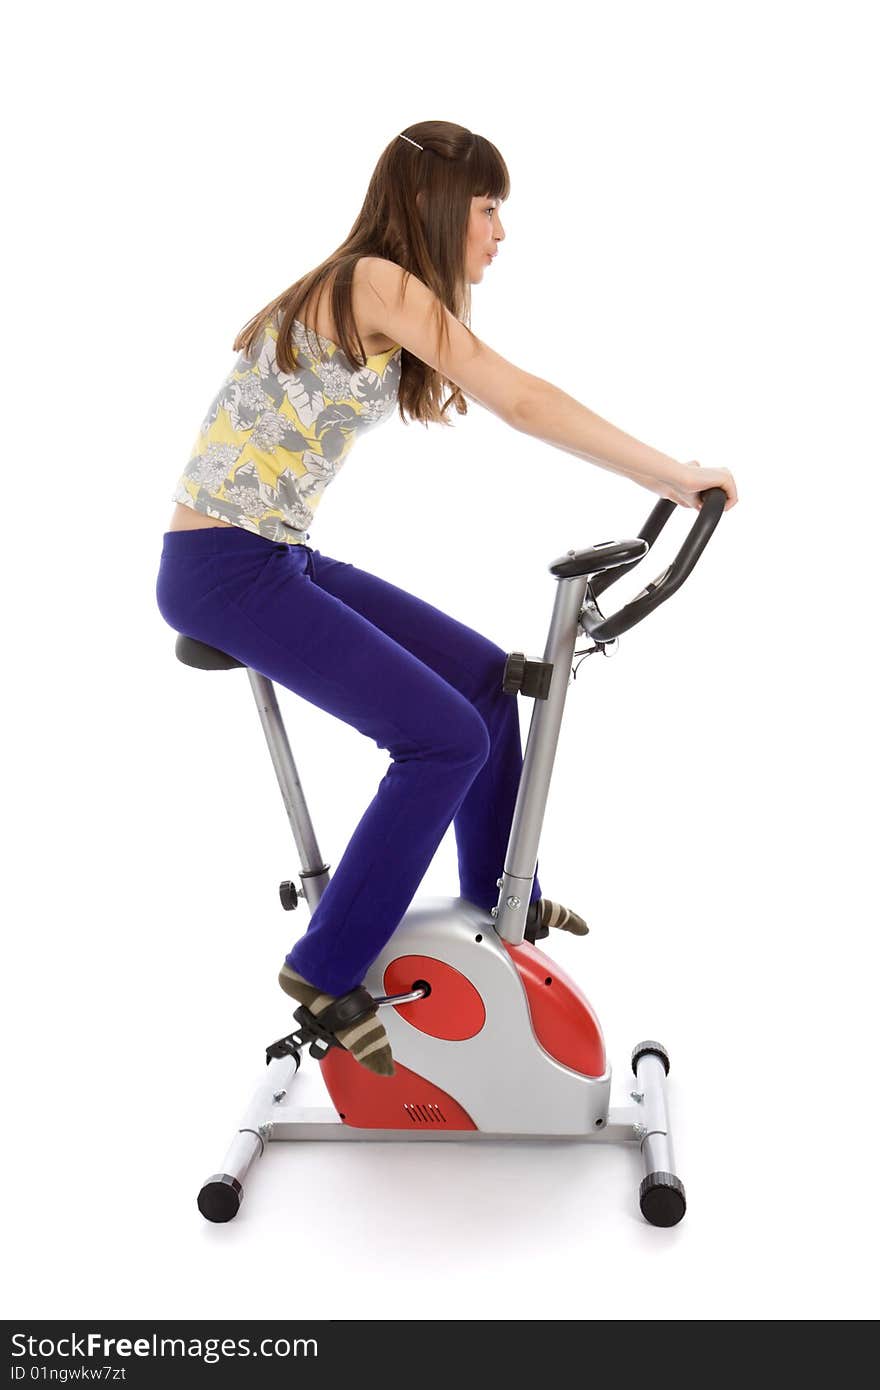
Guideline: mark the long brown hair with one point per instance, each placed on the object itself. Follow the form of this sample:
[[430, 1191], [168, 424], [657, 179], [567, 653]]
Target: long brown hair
[[415, 213]]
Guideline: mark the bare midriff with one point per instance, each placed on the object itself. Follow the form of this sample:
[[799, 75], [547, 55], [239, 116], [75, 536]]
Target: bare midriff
[[185, 519]]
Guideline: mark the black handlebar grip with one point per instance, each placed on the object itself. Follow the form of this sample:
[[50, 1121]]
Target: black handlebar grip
[[658, 518], [603, 629]]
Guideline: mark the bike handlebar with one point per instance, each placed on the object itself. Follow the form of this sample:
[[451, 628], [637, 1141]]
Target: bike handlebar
[[603, 629]]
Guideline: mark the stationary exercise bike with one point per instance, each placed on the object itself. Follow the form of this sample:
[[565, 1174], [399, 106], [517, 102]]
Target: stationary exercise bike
[[491, 1038]]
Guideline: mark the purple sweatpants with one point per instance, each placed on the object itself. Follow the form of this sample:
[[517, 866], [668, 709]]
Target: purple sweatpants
[[422, 685]]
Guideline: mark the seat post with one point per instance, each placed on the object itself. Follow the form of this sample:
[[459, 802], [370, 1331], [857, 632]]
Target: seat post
[[315, 873]]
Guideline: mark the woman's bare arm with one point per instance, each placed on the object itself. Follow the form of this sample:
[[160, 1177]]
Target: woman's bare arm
[[550, 414], [528, 403]]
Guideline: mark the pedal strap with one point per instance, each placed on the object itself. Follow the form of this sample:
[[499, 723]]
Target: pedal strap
[[348, 1009]]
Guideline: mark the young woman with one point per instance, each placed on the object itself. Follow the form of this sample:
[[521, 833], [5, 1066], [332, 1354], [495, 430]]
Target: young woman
[[382, 321]]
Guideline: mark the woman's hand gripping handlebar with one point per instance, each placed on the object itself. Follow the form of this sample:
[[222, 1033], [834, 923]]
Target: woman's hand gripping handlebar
[[690, 482], [594, 623]]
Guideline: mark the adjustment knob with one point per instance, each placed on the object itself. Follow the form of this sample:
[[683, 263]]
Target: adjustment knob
[[514, 673], [288, 894]]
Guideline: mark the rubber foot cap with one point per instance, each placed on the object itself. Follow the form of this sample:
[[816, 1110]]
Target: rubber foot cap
[[220, 1198], [662, 1199], [650, 1049]]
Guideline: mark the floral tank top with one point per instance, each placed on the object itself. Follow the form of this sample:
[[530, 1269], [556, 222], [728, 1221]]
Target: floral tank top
[[272, 441]]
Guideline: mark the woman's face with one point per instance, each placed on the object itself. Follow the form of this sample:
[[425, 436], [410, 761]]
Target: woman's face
[[484, 233]]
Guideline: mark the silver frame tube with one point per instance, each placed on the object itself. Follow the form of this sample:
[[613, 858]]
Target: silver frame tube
[[313, 882], [521, 858]]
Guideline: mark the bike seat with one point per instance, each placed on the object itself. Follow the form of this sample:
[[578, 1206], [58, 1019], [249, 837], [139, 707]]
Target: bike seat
[[194, 653]]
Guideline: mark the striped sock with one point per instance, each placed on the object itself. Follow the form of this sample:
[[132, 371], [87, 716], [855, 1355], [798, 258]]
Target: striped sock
[[367, 1040], [550, 914]]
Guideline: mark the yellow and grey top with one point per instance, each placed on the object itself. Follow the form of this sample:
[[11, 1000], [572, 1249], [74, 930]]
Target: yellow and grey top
[[271, 440]]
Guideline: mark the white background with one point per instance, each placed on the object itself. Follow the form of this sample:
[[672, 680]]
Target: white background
[[691, 252]]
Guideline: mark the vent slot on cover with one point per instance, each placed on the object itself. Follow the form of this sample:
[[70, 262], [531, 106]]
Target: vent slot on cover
[[427, 1114]]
